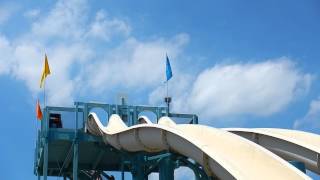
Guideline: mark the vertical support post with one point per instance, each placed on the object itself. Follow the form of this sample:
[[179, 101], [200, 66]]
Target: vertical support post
[[128, 115], [166, 169], [195, 119], [85, 116], [167, 100], [75, 160], [138, 168], [46, 146], [117, 109], [122, 169], [135, 114], [158, 114], [75, 146], [109, 111]]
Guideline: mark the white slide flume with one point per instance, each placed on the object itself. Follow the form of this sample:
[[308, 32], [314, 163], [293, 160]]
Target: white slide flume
[[288, 144], [222, 154]]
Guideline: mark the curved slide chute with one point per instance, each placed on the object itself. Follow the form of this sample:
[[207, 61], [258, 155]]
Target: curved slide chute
[[288, 144], [222, 154]]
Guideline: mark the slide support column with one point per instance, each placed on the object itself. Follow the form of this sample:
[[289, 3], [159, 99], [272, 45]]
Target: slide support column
[[45, 152], [166, 169], [75, 146]]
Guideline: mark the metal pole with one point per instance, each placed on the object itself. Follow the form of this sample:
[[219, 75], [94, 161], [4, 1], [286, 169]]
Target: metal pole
[[168, 102], [45, 153], [44, 93], [166, 169], [75, 146], [85, 116], [122, 170], [138, 168], [167, 88]]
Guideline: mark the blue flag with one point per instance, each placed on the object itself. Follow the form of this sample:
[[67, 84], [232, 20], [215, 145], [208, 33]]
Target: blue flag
[[168, 69]]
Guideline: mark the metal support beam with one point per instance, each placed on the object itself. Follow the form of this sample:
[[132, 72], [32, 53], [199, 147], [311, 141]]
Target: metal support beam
[[46, 145], [138, 171], [155, 157], [109, 177], [98, 159], [166, 169], [122, 169], [75, 146], [76, 136], [45, 160], [75, 160]]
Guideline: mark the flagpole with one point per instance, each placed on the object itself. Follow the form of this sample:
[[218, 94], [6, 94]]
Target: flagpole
[[44, 93], [167, 99], [167, 88]]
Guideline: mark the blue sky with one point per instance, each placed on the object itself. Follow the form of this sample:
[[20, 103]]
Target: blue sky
[[239, 64]]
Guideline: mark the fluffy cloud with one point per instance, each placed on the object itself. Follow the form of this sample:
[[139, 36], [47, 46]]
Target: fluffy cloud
[[258, 89], [105, 27], [6, 11], [6, 53], [134, 64], [311, 120], [33, 13], [70, 38], [65, 20], [254, 88]]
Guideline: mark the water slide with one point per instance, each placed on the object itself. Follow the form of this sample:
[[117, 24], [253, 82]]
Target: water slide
[[222, 154], [288, 144]]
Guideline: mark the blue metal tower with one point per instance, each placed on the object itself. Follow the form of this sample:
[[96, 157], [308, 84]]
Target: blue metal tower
[[65, 149]]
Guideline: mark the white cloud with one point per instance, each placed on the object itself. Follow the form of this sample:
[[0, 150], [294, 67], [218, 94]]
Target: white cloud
[[258, 89], [63, 33], [6, 53], [105, 27], [69, 37], [33, 13], [134, 64], [6, 11], [311, 120], [255, 88], [179, 90], [66, 20]]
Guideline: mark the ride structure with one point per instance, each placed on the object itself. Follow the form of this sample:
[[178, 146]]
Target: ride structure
[[74, 144], [72, 152]]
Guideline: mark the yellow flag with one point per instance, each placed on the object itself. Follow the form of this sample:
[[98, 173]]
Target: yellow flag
[[45, 72]]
